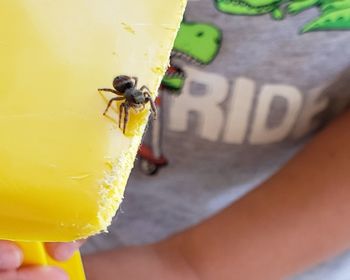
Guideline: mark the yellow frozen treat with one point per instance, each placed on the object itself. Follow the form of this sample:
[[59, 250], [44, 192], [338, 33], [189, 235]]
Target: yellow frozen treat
[[63, 164]]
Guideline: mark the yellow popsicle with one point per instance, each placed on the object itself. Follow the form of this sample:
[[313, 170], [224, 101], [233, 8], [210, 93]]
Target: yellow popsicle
[[63, 165]]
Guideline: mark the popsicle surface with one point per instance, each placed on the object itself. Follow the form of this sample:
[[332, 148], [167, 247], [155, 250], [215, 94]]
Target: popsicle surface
[[63, 165]]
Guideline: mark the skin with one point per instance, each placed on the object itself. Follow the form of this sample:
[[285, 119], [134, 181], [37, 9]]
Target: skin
[[295, 220], [11, 258]]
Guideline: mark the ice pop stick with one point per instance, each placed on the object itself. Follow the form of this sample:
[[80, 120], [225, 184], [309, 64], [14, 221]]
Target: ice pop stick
[[35, 254]]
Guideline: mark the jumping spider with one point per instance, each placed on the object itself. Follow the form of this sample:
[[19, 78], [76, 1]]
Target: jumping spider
[[126, 88]]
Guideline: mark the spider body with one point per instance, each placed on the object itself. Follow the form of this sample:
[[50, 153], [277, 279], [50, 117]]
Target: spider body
[[135, 96], [125, 88]]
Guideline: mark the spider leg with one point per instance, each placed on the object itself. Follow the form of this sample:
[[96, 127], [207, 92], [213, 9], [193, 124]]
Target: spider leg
[[110, 103], [145, 88], [149, 98], [121, 108], [135, 81], [153, 105], [110, 90], [153, 109], [126, 117]]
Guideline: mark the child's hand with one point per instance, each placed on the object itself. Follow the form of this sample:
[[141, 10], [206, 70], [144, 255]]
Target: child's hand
[[11, 258]]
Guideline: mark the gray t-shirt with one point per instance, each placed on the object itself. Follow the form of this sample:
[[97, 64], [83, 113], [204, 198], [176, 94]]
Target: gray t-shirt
[[250, 82]]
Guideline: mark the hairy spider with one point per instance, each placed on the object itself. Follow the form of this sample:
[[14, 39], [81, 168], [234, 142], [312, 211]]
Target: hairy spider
[[126, 89]]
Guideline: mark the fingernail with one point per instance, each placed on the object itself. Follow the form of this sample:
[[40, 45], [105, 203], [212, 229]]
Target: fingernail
[[65, 252], [10, 257]]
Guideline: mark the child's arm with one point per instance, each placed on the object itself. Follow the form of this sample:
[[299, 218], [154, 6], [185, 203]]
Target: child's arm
[[293, 221], [296, 219]]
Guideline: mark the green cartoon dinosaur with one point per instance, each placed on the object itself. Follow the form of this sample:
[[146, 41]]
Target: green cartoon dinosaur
[[335, 14], [197, 43], [251, 7]]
